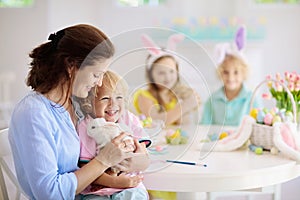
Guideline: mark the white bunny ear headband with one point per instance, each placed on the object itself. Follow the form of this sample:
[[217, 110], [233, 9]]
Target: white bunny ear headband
[[156, 52], [223, 49]]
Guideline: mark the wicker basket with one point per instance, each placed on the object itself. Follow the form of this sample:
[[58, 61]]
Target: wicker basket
[[262, 135]]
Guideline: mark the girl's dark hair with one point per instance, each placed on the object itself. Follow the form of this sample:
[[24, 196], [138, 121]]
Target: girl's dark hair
[[54, 63]]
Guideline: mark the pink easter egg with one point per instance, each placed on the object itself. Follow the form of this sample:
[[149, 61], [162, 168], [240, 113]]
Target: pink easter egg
[[159, 148], [169, 132], [268, 119]]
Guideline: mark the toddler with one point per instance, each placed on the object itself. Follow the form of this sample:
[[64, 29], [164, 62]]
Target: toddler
[[108, 102]]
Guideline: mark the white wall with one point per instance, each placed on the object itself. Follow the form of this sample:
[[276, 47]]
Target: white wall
[[23, 29]]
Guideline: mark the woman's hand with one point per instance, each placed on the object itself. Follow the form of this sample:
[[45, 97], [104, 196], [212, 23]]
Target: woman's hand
[[138, 162], [115, 151], [127, 181]]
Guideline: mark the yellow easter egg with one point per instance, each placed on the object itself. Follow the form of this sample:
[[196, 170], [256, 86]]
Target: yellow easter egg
[[223, 135], [253, 113], [149, 119], [176, 134]]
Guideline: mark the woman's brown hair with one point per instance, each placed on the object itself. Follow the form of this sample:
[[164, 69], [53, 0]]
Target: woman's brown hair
[[68, 49]]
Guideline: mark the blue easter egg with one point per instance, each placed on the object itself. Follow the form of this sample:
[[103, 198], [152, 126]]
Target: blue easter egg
[[260, 116], [213, 137]]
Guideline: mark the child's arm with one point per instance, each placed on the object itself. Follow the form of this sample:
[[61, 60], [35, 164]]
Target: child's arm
[[121, 181], [113, 181]]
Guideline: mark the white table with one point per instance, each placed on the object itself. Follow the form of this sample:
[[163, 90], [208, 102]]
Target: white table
[[225, 171]]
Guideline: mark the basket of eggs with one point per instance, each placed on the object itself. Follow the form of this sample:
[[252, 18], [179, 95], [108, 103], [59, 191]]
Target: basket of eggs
[[262, 130]]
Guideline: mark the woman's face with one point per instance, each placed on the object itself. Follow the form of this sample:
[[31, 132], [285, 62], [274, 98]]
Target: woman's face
[[110, 104], [89, 76], [232, 77], [164, 73]]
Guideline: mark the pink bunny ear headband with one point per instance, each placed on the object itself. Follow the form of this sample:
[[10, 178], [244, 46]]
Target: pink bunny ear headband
[[157, 52], [223, 49]]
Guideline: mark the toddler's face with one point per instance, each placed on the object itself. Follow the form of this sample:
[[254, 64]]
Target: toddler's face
[[232, 77], [164, 72], [110, 104]]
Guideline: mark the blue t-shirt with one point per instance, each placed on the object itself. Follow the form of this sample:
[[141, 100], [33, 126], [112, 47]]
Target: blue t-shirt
[[45, 148], [218, 110]]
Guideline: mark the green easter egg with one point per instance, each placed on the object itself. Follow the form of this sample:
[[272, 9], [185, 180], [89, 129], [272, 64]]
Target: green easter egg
[[183, 140], [258, 150], [276, 118], [175, 141], [265, 110]]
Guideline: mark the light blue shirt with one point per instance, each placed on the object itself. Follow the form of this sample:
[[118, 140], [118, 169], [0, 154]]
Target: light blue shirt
[[45, 148], [219, 110]]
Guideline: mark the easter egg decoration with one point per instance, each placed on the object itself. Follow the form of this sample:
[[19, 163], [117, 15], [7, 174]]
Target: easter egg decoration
[[268, 119], [260, 116]]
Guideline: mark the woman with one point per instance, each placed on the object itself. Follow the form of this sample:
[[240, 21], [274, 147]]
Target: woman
[[42, 131]]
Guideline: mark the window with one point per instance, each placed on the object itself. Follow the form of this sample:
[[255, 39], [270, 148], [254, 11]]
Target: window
[[137, 3], [15, 3]]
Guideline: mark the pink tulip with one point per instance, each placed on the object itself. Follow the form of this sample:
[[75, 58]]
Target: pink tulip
[[298, 78], [291, 86], [286, 75], [292, 77], [297, 88], [278, 77], [281, 81], [278, 87], [269, 77]]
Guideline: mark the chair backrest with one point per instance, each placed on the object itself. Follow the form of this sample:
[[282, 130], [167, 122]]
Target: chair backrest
[[7, 168], [7, 80], [4, 144]]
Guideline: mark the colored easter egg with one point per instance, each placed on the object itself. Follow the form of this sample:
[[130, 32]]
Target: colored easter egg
[[213, 137], [223, 135], [175, 141], [183, 140], [268, 119], [258, 151], [149, 119], [176, 134], [142, 117], [183, 133], [159, 148], [276, 119], [169, 132], [265, 110], [260, 116], [274, 151], [272, 112], [253, 112]]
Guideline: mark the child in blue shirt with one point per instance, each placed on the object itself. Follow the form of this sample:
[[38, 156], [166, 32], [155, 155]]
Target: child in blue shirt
[[231, 102]]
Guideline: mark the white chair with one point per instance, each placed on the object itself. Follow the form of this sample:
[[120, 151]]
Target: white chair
[[7, 170], [6, 105]]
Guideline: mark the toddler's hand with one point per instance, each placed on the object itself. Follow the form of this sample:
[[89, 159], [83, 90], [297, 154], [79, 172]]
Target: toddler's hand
[[140, 160], [114, 152], [126, 181]]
